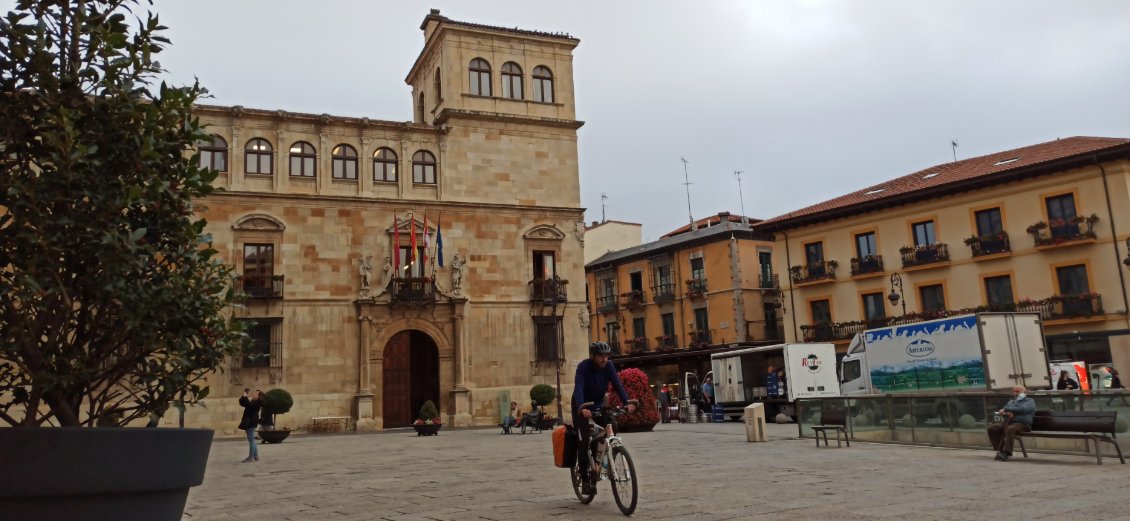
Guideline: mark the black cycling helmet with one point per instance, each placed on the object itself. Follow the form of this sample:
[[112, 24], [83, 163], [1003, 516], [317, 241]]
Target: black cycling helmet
[[599, 348]]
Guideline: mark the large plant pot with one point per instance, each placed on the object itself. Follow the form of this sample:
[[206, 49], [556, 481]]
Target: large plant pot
[[99, 473], [427, 430], [274, 436]]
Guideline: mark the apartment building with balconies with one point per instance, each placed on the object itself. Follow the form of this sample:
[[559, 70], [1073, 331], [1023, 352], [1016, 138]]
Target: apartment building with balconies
[[1041, 228]]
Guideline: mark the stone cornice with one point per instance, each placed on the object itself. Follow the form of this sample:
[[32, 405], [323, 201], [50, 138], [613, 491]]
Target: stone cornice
[[319, 200], [431, 46], [447, 114], [240, 112]]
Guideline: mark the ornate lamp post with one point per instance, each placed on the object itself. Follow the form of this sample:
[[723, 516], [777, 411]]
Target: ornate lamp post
[[553, 299], [895, 297]]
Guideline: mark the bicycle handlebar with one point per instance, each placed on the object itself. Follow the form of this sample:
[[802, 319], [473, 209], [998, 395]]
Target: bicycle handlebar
[[630, 402]]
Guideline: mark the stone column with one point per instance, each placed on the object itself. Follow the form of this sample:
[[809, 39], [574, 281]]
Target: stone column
[[363, 400], [461, 395]]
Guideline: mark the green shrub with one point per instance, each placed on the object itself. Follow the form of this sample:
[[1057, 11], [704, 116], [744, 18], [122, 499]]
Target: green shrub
[[428, 411], [542, 394], [277, 401]]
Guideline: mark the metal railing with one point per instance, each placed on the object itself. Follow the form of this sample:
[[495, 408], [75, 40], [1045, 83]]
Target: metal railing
[[813, 272], [606, 303], [696, 287], [866, 264], [664, 292], [548, 289], [989, 244], [412, 291], [924, 254], [263, 287], [769, 281]]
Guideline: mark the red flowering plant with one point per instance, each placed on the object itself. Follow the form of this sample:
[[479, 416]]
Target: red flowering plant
[[647, 415]]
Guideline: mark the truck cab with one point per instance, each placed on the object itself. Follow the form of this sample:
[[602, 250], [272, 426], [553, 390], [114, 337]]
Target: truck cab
[[855, 379]]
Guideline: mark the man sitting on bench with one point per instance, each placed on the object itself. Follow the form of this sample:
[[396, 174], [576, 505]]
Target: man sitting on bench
[[1018, 413]]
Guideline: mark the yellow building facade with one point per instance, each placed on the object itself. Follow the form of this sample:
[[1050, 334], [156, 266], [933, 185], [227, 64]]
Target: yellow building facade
[[1042, 229], [319, 215], [664, 306]]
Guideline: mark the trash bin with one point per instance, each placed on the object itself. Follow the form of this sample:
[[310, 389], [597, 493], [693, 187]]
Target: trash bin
[[755, 422], [719, 413]]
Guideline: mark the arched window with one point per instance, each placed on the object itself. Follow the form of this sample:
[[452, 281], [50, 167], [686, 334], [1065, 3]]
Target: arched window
[[439, 92], [420, 108], [214, 154], [303, 159], [257, 157], [424, 167], [480, 77], [511, 81], [543, 84], [384, 165], [345, 162]]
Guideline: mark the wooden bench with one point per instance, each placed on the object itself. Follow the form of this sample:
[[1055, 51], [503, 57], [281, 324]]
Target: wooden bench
[[834, 420], [1088, 426], [319, 423]]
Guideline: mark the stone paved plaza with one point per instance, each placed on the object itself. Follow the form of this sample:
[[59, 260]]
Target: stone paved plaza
[[687, 471]]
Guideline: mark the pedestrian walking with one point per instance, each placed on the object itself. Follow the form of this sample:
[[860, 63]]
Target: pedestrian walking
[[665, 404]]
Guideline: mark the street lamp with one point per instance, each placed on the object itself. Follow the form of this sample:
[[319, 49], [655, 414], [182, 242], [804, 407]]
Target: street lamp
[[896, 283], [553, 298]]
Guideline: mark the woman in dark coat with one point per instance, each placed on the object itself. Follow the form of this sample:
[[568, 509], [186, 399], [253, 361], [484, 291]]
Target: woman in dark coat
[[250, 419]]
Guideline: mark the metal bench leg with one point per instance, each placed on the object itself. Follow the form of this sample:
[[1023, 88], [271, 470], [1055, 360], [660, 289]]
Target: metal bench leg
[[817, 436], [838, 439], [846, 440], [1119, 449], [1098, 451]]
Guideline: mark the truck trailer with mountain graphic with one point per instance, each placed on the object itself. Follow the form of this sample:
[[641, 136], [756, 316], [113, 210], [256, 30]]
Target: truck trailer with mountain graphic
[[981, 352]]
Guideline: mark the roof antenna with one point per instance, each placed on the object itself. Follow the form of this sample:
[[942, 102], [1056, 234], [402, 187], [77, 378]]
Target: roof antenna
[[687, 183], [603, 197], [741, 196], [953, 146]]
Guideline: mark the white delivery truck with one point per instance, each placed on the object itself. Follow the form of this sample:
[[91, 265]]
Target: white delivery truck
[[742, 376], [981, 352]]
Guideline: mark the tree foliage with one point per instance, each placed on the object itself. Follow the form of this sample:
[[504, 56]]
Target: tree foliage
[[542, 394], [112, 300]]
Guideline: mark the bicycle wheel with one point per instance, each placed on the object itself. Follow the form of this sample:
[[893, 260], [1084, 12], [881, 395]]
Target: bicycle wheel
[[575, 474], [623, 477]]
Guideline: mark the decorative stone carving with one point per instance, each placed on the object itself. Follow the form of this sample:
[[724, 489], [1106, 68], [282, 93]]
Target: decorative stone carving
[[325, 119], [458, 266], [545, 231], [579, 232], [237, 111], [366, 271], [365, 122], [583, 317], [282, 114], [386, 279], [258, 221]]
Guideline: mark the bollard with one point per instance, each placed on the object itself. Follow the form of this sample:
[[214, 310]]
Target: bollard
[[755, 422]]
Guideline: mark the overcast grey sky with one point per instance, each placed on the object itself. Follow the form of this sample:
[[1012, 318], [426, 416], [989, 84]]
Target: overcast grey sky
[[811, 99]]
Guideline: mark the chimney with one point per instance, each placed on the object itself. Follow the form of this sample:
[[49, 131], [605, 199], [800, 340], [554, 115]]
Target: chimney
[[431, 23]]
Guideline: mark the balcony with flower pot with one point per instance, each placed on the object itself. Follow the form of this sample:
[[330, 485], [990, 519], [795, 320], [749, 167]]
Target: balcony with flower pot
[[632, 299], [867, 266], [991, 246], [639, 344], [665, 343], [1078, 307], [815, 273], [925, 256], [1064, 232], [663, 293], [698, 339], [696, 287]]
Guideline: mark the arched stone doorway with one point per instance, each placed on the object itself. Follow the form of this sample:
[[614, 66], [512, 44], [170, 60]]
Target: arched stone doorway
[[410, 377]]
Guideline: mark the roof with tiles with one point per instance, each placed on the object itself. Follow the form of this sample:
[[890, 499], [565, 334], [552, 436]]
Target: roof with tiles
[[997, 167], [718, 230], [712, 220]]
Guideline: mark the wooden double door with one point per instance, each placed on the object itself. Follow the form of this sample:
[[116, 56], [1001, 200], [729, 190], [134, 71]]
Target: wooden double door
[[410, 377]]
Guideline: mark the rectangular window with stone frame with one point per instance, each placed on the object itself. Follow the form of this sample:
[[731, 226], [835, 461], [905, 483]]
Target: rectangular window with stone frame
[[266, 343], [546, 339]]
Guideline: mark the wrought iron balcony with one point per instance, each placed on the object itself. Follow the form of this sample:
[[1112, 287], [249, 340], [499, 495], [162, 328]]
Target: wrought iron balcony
[[553, 289], [769, 281], [632, 299], [606, 304], [696, 287], [699, 339], [1060, 231], [924, 254], [665, 342], [412, 291], [663, 292], [263, 287], [866, 264], [825, 270], [989, 244], [639, 344]]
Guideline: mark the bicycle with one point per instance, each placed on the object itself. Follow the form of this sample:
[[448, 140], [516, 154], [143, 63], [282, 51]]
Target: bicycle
[[615, 464]]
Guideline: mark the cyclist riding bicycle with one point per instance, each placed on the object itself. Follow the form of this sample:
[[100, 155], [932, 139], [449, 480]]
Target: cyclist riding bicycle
[[593, 377]]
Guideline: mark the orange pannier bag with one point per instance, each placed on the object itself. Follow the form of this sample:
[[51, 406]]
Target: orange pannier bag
[[564, 446]]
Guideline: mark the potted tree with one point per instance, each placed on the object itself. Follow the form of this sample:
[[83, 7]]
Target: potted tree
[[428, 424], [113, 303], [275, 402], [542, 395]]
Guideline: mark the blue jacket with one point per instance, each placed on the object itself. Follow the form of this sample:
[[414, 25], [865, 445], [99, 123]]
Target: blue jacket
[[591, 384], [1022, 410]]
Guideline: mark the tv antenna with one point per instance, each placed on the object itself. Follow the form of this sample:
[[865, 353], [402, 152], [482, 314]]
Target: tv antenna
[[741, 197], [603, 197], [687, 183], [953, 147]]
